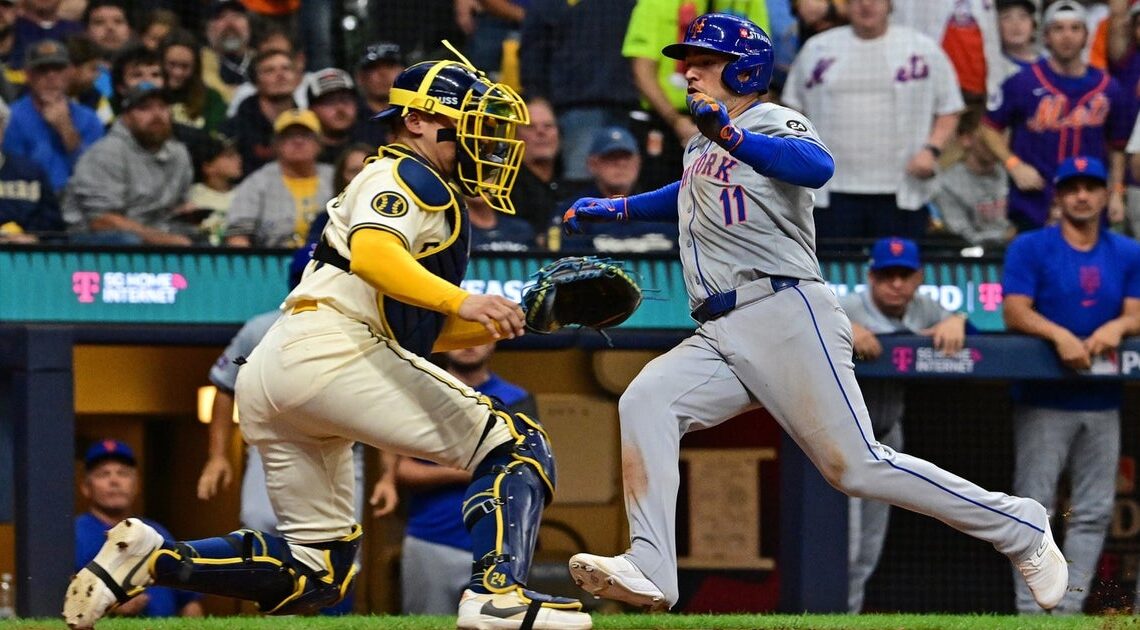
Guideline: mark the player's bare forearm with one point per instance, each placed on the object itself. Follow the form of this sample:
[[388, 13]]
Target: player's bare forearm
[[221, 423], [1129, 319], [1119, 30], [942, 130], [412, 473], [1020, 317], [645, 78]]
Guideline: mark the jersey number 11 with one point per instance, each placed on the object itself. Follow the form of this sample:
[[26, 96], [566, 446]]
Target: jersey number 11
[[727, 197]]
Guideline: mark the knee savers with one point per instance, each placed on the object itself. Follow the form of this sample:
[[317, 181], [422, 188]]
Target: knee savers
[[253, 565], [511, 485]]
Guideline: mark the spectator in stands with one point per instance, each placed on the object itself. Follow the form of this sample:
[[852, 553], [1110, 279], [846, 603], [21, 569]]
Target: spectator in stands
[[315, 31], [817, 16], [550, 59], [890, 305], [538, 189], [8, 15], [277, 41], [213, 190], [963, 27], [376, 70], [1132, 149], [133, 65], [332, 97], [1076, 285], [132, 186], [614, 164], [491, 23], [87, 60], [192, 102], [228, 60], [1057, 108], [108, 26], [661, 82], [1017, 27], [111, 486], [46, 127], [29, 211], [493, 231], [884, 99], [275, 205], [349, 164], [435, 565], [972, 194], [40, 20], [275, 75], [158, 25]]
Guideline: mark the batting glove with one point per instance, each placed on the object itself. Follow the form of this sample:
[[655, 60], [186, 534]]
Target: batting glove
[[712, 119], [594, 210]]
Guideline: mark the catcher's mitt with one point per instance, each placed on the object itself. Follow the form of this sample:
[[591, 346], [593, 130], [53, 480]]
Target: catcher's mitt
[[583, 290]]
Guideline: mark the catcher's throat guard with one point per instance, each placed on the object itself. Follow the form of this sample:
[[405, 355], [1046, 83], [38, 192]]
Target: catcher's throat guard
[[585, 290]]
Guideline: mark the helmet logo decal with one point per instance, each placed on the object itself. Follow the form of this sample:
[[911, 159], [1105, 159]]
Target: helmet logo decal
[[390, 204], [698, 26]]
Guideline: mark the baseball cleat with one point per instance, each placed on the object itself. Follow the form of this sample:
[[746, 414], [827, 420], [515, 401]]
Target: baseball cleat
[[511, 610], [1046, 571], [117, 574], [616, 578]]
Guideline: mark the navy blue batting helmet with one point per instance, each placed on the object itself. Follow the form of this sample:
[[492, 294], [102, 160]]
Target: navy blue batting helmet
[[750, 71]]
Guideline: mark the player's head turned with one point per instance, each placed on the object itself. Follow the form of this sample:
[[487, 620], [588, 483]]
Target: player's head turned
[[484, 118], [749, 47]]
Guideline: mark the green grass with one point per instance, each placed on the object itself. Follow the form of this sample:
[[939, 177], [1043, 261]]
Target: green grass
[[623, 622]]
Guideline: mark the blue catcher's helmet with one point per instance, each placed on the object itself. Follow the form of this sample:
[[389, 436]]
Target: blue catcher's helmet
[[751, 70]]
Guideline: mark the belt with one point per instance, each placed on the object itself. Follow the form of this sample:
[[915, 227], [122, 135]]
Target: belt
[[303, 306], [717, 304]]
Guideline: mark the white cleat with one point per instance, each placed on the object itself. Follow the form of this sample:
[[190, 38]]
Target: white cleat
[[117, 574], [616, 578], [1046, 572], [508, 611]]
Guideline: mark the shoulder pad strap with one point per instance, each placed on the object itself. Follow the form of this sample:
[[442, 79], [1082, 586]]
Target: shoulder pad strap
[[427, 188]]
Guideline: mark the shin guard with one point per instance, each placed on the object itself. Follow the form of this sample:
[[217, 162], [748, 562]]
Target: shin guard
[[256, 566], [504, 504]]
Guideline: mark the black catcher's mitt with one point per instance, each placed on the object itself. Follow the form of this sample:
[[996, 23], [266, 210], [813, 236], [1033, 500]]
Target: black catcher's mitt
[[583, 290]]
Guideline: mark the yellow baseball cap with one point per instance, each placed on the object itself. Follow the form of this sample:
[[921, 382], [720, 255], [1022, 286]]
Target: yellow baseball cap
[[303, 117]]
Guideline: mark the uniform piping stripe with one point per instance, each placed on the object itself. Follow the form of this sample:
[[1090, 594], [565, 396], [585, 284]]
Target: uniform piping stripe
[[855, 418]]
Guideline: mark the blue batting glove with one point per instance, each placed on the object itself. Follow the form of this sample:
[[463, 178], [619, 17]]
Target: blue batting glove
[[594, 210], [711, 117]]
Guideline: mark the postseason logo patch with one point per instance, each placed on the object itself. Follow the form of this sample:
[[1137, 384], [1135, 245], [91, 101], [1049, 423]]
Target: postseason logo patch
[[390, 204], [796, 125]]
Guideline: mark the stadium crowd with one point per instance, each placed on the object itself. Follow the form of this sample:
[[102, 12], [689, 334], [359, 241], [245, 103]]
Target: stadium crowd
[[228, 123]]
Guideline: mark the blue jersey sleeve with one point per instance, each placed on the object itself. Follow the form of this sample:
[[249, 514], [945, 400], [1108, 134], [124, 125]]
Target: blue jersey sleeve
[[1018, 277], [1131, 268], [1120, 116], [790, 159], [656, 205], [999, 114]]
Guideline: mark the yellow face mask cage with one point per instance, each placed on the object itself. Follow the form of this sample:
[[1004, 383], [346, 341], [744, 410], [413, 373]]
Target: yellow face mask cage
[[490, 152]]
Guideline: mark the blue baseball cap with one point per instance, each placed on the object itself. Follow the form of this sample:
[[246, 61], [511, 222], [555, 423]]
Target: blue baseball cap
[[109, 449], [1081, 166], [612, 140], [894, 252]]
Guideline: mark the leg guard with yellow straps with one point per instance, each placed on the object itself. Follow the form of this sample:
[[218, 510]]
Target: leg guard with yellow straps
[[504, 503], [257, 566]]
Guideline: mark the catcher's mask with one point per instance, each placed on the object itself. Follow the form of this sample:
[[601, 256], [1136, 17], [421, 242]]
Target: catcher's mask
[[486, 115]]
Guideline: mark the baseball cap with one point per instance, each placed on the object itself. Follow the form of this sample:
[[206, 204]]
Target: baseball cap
[[302, 117], [1028, 5], [381, 51], [1074, 167], [894, 252], [109, 449], [139, 93], [328, 81], [46, 52], [1065, 10], [225, 5], [612, 140]]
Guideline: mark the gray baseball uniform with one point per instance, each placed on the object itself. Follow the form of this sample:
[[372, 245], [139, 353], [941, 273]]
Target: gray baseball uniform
[[885, 400], [786, 346]]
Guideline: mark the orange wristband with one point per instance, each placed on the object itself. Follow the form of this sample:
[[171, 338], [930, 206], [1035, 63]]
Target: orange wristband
[[1011, 162]]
